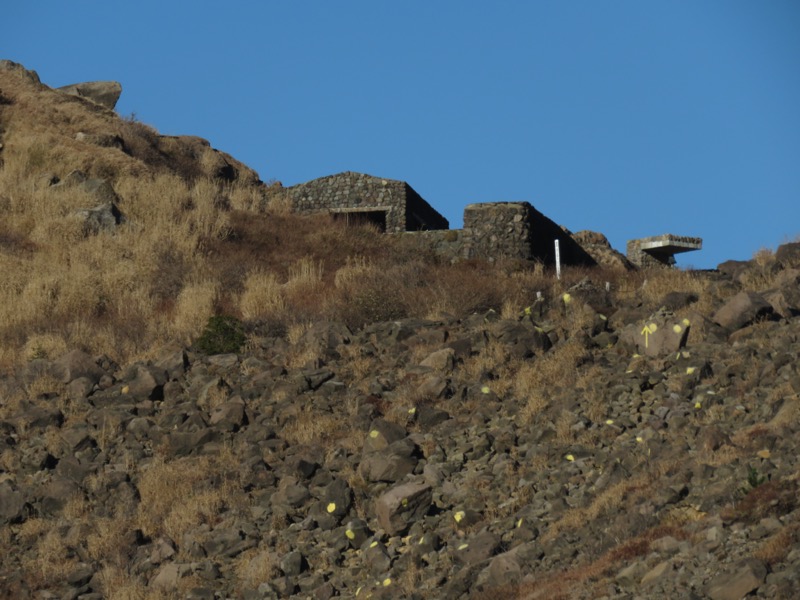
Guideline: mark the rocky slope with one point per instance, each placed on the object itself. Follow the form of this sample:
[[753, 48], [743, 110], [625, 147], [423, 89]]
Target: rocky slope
[[627, 435], [590, 447]]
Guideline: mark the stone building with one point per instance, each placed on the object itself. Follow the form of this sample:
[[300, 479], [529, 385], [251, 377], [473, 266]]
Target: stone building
[[393, 206], [518, 230], [660, 250], [492, 230]]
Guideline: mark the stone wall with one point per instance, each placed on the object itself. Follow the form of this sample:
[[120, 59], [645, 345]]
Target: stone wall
[[392, 202], [498, 230], [642, 259], [504, 230], [447, 244], [492, 230], [517, 230]]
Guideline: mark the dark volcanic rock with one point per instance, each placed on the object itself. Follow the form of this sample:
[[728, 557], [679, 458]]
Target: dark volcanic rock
[[402, 505], [475, 456], [743, 309], [105, 93]]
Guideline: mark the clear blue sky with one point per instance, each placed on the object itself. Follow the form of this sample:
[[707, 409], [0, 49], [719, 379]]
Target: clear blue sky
[[628, 117]]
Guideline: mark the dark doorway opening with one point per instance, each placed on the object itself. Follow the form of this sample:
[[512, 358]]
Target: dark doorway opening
[[376, 218]]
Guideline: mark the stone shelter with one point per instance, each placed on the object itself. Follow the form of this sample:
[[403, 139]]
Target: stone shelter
[[392, 205], [492, 230]]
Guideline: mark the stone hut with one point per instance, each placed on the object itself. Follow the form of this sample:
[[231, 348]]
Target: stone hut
[[492, 230], [393, 206], [517, 230]]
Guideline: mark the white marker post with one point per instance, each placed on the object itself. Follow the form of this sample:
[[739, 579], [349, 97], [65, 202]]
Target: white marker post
[[558, 262]]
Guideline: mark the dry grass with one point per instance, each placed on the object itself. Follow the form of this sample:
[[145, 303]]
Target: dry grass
[[493, 367], [194, 306], [611, 497], [576, 581], [761, 273], [194, 246], [255, 567], [312, 426], [536, 379], [262, 297], [776, 548], [119, 584], [776, 497], [660, 282], [178, 496]]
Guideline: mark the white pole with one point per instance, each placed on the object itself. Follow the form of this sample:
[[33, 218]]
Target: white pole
[[558, 262]]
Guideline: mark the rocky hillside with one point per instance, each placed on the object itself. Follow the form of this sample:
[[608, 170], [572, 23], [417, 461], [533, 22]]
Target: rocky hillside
[[562, 453], [244, 413]]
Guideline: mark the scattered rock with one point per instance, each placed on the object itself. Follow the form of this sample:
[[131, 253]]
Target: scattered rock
[[402, 505], [738, 583]]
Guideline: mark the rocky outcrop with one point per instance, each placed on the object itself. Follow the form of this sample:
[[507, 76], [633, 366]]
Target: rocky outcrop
[[104, 140], [106, 215], [104, 93], [7, 65]]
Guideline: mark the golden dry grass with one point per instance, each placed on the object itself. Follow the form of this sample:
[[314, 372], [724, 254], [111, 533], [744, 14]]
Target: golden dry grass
[[535, 378], [256, 566], [494, 367], [328, 429], [262, 297], [176, 496], [761, 274], [776, 548], [194, 246]]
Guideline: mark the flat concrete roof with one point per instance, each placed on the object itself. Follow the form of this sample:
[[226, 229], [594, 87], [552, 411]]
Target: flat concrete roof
[[671, 244]]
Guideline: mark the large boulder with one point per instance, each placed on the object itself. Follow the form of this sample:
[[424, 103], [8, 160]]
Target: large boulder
[[659, 335], [742, 310], [77, 364], [103, 217], [738, 582], [785, 297], [403, 505], [104, 93], [734, 268], [788, 255]]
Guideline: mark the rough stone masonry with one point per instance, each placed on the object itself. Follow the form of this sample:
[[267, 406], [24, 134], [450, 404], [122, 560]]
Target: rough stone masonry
[[492, 230]]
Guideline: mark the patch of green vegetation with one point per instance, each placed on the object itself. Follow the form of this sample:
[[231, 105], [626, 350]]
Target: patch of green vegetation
[[223, 334], [754, 479]]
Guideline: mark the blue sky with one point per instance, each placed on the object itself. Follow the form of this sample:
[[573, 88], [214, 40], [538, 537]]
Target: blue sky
[[628, 117]]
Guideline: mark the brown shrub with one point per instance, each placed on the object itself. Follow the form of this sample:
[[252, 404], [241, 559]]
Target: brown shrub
[[460, 290], [769, 498]]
